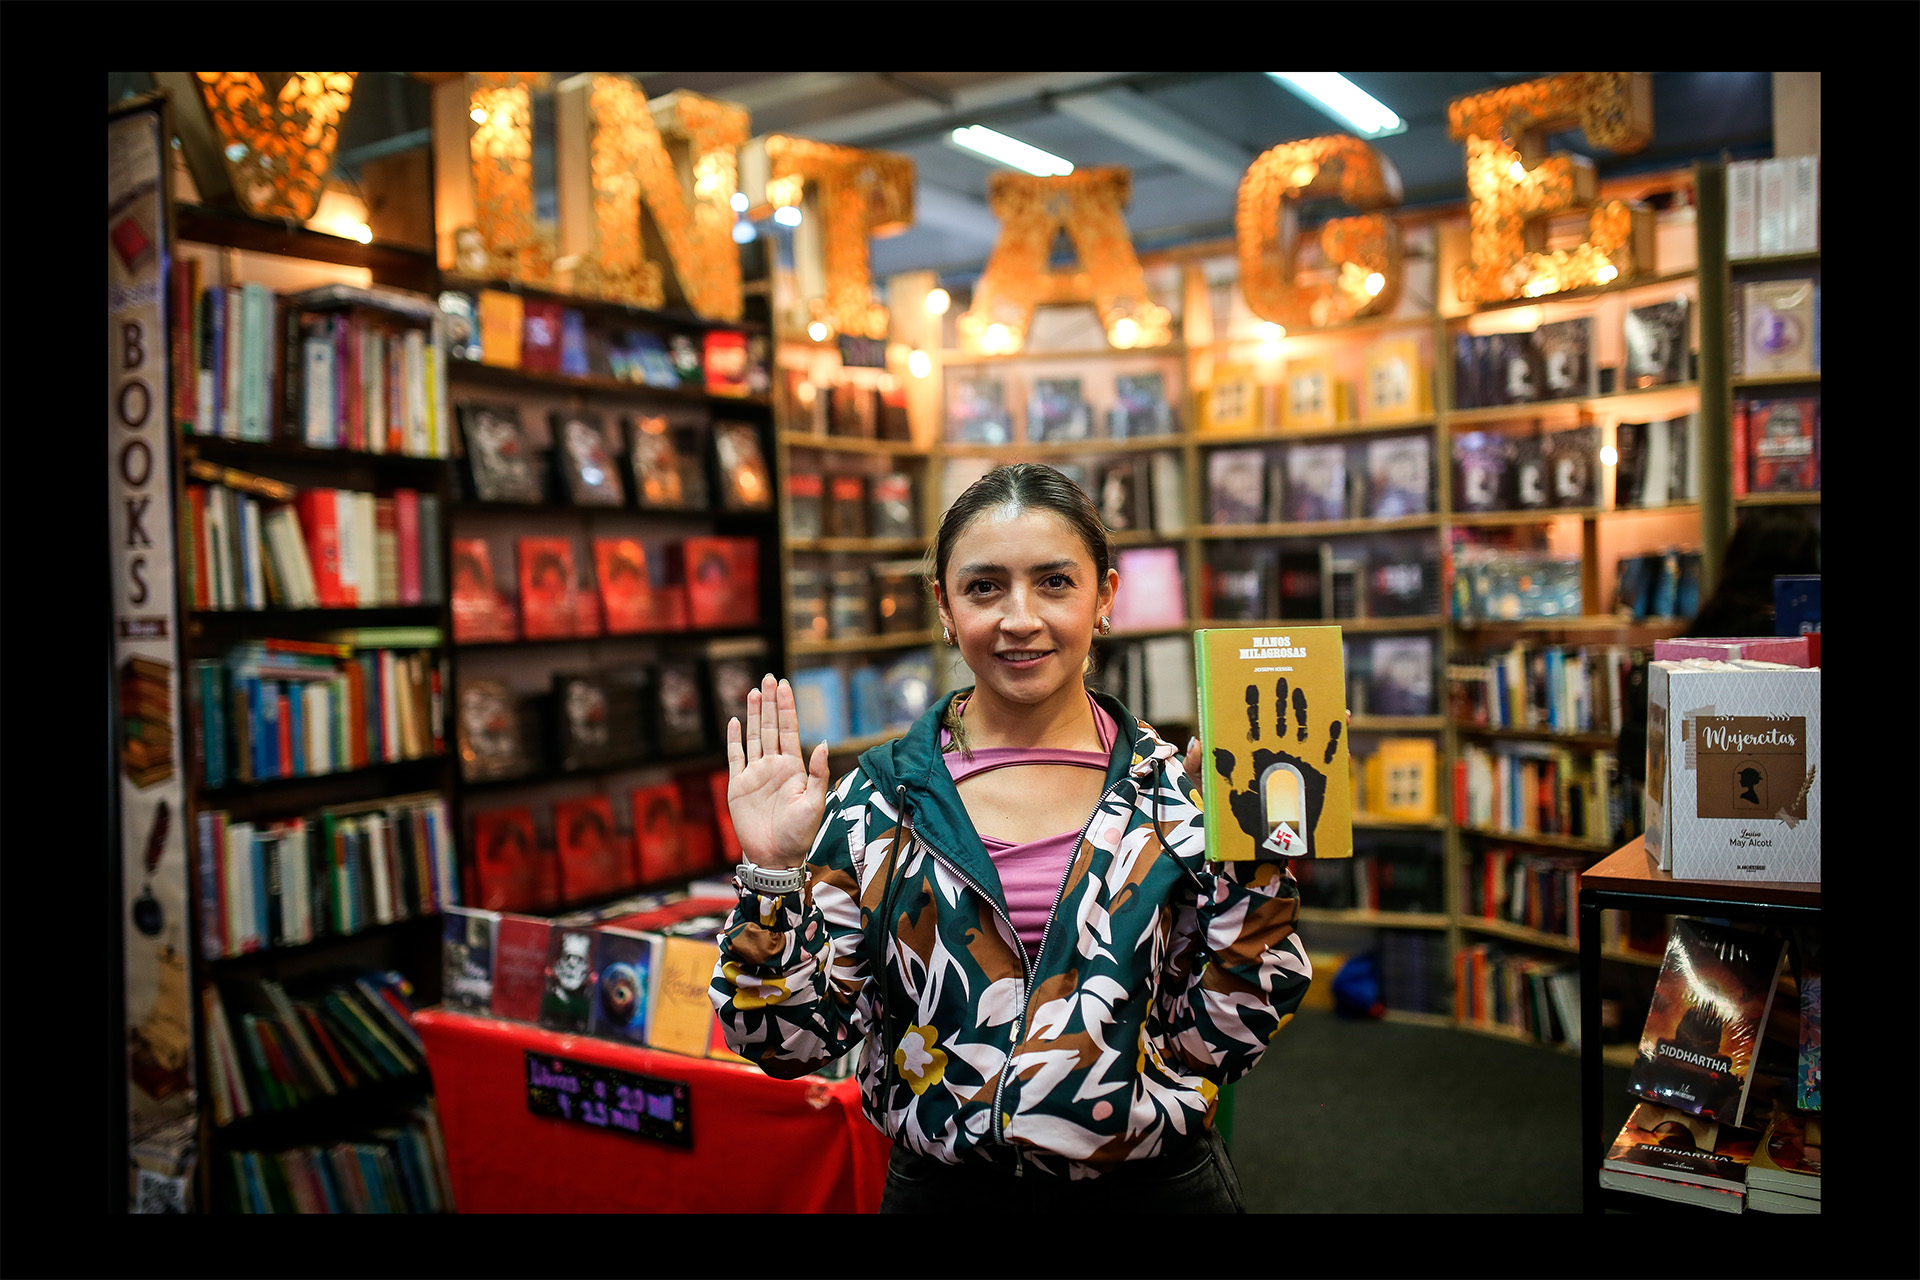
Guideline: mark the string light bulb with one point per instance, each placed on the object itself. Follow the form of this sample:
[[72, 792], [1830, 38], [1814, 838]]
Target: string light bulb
[[919, 364], [478, 115], [787, 215], [1608, 456], [738, 202], [1271, 332], [938, 300], [817, 331], [1607, 274], [1517, 171], [1375, 283], [1125, 332], [363, 233]]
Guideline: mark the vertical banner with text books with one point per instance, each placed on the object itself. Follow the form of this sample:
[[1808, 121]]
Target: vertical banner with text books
[[148, 750]]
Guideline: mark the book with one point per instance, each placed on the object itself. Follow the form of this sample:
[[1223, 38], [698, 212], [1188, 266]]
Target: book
[[1305, 581], [1663, 1142], [575, 360], [1153, 591], [1710, 1004], [624, 965], [1483, 472], [849, 603], [1510, 368], [1398, 477], [620, 572], [1169, 497], [566, 995], [746, 484], [1657, 344], [679, 707], [591, 479], [508, 871], [467, 943], [583, 737], [1781, 440], [1316, 482], [1807, 1080], [1468, 393], [540, 344], [852, 410], [807, 604], [488, 732], [1529, 473], [1056, 410], [806, 505], [1563, 352], [846, 510], [683, 1017], [1396, 384], [1572, 461], [820, 702], [1231, 401], [977, 413], [549, 587], [722, 581], [1788, 1157], [890, 506], [1239, 582], [1236, 486], [907, 689], [1140, 407], [1275, 772], [725, 365], [499, 463], [657, 829], [1310, 395], [1777, 323], [1400, 676], [1125, 494], [666, 477], [1407, 790], [520, 964], [479, 613], [899, 596], [684, 351], [502, 327], [1717, 1198], [595, 860]]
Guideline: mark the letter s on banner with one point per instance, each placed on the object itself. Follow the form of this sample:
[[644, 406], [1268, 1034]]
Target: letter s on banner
[[1267, 227]]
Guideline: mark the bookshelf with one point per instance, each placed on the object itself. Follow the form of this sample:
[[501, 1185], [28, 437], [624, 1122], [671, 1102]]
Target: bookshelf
[[332, 773], [1629, 879]]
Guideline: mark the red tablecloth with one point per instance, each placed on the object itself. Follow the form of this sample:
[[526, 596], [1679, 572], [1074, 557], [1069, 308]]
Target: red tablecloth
[[760, 1145]]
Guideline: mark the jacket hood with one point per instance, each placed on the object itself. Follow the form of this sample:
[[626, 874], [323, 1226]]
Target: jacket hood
[[909, 772]]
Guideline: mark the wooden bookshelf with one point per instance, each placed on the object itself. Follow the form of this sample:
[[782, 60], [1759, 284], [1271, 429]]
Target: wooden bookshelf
[[1338, 431], [850, 444], [858, 546], [1777, 379], [1375, 919], [1542, 840], [1313, 528], [473, 372], [1601, 740], [1779, 500], [862, 644], [1607, 399]]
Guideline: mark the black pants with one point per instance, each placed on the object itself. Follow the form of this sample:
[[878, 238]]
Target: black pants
[[1198, 1179]]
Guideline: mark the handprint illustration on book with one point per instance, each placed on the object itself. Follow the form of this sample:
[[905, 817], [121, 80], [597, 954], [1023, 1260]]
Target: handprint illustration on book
[[1280, 804]]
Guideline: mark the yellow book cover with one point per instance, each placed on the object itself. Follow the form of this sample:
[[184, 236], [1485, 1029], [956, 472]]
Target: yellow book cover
[[502, 326], [682, 1020], [1396, 384], [1408, 770], [1274, 769], [1311, 396], [1232, 402]]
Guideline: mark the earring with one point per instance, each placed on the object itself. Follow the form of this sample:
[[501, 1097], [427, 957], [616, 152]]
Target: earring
[[1106, 625], [947, 636]]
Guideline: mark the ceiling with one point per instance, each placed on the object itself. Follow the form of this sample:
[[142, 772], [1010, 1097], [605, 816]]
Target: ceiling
[[1186, 136]]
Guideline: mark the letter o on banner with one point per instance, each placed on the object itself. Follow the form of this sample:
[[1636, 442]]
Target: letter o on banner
[[1267, 228]]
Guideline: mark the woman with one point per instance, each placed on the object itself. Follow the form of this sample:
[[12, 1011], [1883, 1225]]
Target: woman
[[1009, 908]]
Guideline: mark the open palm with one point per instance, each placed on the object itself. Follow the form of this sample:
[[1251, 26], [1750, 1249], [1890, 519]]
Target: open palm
[[775, 795]]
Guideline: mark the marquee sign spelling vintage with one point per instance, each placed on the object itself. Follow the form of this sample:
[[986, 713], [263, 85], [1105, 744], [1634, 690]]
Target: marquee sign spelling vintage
[[645, 190]]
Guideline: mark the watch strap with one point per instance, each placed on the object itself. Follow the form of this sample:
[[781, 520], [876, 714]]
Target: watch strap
[[769, 880]]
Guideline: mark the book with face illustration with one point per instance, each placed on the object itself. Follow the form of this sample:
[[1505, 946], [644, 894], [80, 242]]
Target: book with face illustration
[[1274, 764], [499, 461]]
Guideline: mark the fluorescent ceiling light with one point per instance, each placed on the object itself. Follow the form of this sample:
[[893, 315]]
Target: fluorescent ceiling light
[[1011, 151], [1344, 100]]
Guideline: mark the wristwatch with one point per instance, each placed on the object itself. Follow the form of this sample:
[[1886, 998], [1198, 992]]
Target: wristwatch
[[769, 880]]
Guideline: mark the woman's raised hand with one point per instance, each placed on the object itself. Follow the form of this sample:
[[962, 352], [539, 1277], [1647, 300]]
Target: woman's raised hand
[[775, 795]]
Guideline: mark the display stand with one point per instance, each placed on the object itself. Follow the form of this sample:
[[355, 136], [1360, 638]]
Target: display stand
[[1630, 879], [759, 1145]]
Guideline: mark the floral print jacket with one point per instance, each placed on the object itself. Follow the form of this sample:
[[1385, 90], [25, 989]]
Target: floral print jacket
[[1161, 976]]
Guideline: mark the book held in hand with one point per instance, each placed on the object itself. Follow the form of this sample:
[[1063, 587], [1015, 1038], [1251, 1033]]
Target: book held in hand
[[1274, 766]]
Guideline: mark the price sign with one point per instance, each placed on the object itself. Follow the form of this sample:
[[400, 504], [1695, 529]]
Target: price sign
[[609, 1099], [862, 353]]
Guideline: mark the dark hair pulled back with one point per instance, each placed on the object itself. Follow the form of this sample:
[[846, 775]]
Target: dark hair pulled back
[[1025, 486]]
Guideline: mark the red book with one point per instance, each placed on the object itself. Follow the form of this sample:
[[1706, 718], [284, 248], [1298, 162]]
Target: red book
[[478, 613], [356, 380], [320, 526], [730, 851], [395, 347], [697, 831], [723, 581], [286, 736], [202, 582], [406, 516], [356, 716], [620, 568], [588, 618], [658, 823], [594, 860], [725, 362], [180, 300], [667, 589], [1739, 448], [317, 1031], [547, 589], [540, 349], [519, 967], [506, 862]]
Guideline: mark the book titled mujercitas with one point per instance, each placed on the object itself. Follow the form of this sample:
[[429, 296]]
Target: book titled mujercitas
[[1273, 739]]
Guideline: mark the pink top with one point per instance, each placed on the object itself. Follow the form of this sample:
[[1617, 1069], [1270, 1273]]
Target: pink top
[[1031, 873]]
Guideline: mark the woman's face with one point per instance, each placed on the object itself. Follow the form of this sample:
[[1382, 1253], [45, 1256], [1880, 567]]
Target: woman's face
[[1022, 599]]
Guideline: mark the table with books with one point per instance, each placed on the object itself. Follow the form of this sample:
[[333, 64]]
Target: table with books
[[1631, 879], [650, 1114]]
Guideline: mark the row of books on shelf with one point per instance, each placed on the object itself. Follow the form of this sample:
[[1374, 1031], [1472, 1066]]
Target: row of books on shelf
[[1138, 493], [514, 330], [848, 505], [1396, 778], [886, 598], [1414, 971], [851, 407], [1773, 206], [1556, 688], [1726, 1075], [343, 869], [394, 1169], [1380, 479], [1505, 584], [258, 544], [835, 703], [1311, 394], [274, 1051], [1532, 890], [1542, 789], [1390, 878], [672, 462], [334, 367], [1776, 446], [1057, 411], [1656, 464], [674, 705], [1152, 677], [1557, 360], [279, 708], [1530, 995], [1382, 579], [635, 586], [1391, 675]]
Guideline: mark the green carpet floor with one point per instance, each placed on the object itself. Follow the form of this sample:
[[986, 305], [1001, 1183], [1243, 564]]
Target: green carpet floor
[[1386, 1117]]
